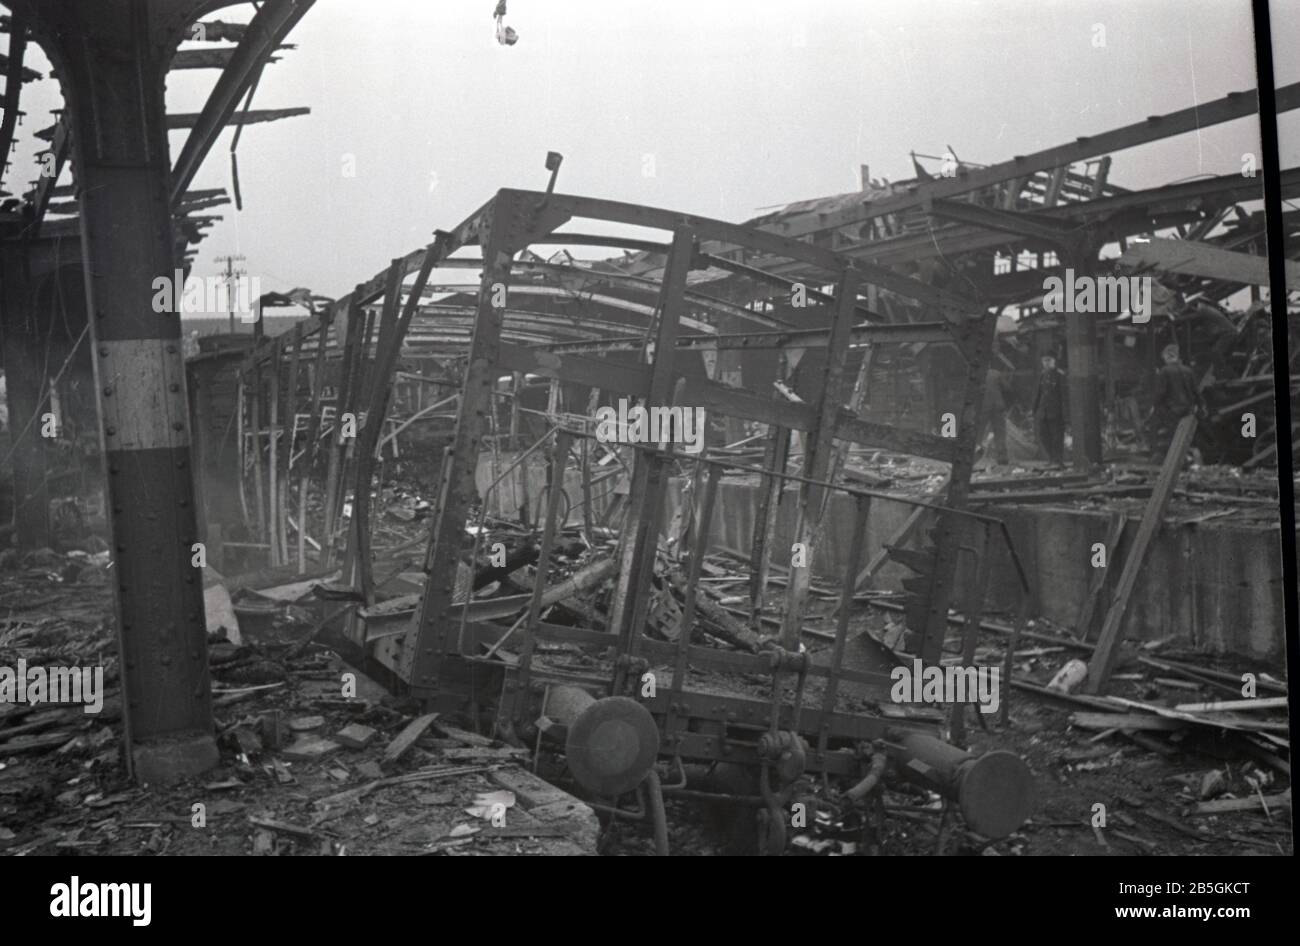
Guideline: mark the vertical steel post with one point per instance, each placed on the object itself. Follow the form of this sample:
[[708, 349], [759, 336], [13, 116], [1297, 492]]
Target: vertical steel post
[[645, 499], [1082, 370], [112, 58], [857, 545], [820, 449], [342, 404], [275, 505], [357, 565], [423, 648], [259, 487], [699, 548], [289, 424], [555, 486], [776, 454]]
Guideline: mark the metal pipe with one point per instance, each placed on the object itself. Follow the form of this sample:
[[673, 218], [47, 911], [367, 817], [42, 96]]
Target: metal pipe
[[658, 817], [994, 790], [868, 784]]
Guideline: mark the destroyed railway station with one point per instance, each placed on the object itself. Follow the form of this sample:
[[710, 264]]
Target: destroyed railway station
[[918, 519]]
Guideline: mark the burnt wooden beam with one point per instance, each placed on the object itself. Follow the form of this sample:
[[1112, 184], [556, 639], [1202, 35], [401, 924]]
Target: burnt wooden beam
[[181, 120], [1233, 106], [217, 57], [272, 22]]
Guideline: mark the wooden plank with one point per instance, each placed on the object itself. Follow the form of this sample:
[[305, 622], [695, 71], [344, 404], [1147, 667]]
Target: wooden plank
[[1221, 706], [1089, 610], [1103, 658], [406, 738], [1123, 721], [35, 743], [1224, 721], [1254, 802]]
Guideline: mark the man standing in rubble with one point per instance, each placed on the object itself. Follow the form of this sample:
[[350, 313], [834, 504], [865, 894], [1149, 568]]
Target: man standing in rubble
[[1049, 411], [1176, 396], [997, 394]]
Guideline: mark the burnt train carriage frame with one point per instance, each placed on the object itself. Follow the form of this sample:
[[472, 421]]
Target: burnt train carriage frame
[[441, 657]]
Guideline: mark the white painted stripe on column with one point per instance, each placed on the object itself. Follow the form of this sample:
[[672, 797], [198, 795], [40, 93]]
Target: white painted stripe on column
[[142, 393]]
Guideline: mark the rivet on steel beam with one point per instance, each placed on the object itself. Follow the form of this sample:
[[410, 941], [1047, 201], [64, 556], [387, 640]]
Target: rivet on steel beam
[[108, 391], [110, 430], [171, 349], [103, 351]]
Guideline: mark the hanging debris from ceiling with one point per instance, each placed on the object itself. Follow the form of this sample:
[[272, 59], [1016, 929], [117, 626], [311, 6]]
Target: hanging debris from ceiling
[[506, 35]]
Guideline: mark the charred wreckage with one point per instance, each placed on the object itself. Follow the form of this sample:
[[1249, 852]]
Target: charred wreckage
[[566, 597]]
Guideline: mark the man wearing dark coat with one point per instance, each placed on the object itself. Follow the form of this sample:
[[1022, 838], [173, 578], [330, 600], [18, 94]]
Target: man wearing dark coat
[[1049, 410]]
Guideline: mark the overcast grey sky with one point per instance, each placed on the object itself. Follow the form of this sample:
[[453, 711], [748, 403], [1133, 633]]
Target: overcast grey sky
[[717, 107]]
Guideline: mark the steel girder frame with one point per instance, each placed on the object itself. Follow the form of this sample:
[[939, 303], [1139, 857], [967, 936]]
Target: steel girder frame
[[437, 642], [1235, 105]]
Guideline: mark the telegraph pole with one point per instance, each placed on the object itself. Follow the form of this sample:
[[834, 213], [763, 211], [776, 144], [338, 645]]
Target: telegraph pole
[[231, 273]]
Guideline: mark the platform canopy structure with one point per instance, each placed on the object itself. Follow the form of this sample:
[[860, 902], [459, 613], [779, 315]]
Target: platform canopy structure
[[131, 218]]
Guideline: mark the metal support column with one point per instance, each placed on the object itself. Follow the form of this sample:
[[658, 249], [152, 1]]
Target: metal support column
[[645, 500], [818, 457], [423, 648], [1082, 369], [112, 58]]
